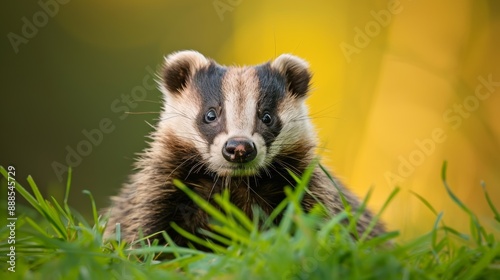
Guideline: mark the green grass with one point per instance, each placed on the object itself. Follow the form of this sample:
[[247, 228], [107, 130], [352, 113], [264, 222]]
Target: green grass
[[55, 242]]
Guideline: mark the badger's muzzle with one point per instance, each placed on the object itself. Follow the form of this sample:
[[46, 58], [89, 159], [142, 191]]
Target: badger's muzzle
[[239, 150]]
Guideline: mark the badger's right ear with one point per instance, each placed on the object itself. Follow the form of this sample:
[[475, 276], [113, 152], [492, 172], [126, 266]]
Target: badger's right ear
[[179, 67]]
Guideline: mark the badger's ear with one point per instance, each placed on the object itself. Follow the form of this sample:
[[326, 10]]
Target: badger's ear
[[179, 67], [296, 72]]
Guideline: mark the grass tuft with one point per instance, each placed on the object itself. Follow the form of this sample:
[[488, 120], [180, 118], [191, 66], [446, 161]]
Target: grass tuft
[[53, 241]]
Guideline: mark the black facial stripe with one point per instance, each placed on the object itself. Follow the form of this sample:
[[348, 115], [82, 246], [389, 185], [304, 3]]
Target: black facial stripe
[[208, 82], [272, 90]]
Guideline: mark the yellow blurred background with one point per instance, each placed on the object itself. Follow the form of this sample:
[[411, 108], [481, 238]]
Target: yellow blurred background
[[398, 88]]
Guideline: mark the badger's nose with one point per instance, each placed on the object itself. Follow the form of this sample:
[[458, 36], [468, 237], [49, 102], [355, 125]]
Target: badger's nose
[[239, 150]]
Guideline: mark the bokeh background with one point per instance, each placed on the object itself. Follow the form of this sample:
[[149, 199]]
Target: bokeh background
[[399, 87]]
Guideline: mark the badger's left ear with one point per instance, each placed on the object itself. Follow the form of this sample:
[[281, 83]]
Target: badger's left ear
[[296, 72]]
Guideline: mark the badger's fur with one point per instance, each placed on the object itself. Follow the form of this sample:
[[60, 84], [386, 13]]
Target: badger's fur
[[235, 128]]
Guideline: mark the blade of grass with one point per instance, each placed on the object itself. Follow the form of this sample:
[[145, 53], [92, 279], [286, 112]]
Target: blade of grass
[[435, 229], [482, 263], [95, 214], [375, 219], [171, 244], [228, 232], [66, 194], [353, 219], [164, 249], [30, 198], [476, 229], [209, 209], [381, 239], [61, 211], [490, 203], [196, 239], [216, 237], [334, 221], [287, 220], [277, 211], [47, 210], [35, 225], [342, 197], [228, 207], [425, 202]]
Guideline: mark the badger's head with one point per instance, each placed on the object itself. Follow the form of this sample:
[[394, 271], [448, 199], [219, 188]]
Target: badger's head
[[240, 120]]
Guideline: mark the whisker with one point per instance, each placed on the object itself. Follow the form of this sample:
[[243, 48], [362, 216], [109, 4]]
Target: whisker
[[180, 165], [150, 101], [283, 176], [142, 113], [152, 126], [258, 195], [213, 187]]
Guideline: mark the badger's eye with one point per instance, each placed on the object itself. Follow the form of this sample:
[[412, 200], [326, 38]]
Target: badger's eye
[[267, 119], [210, 116]]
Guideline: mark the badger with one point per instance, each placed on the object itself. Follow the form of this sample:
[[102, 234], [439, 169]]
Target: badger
[[241, 129]]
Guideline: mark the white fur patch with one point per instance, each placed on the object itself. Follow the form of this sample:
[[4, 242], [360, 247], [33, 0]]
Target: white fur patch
[[240, 90], [296, 125]]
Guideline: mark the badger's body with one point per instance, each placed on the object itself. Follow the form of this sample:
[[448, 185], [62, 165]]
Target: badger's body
[[231, 128]]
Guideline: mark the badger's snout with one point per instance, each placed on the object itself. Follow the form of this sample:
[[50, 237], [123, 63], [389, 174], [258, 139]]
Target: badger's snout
[[239, 150]]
